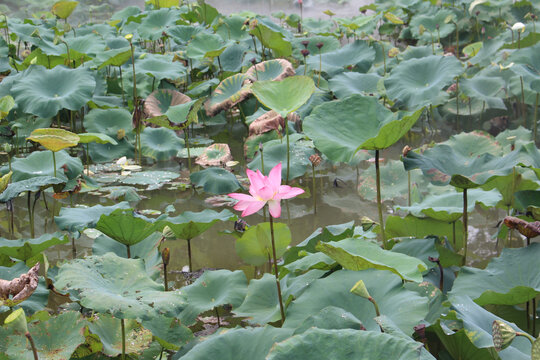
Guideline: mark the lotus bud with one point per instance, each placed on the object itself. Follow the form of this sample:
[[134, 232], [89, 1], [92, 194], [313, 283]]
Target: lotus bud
[[519, 26], [319, 45], [7, 147], [260, 147], [166, 256], [128, 37], [360, 289], [503, 335], [25, 53], [305, 52], [483, 30], [406, 150], [168, 233], [477, 13], [421, 29], [120, 134], [393, 52], [420, 330]]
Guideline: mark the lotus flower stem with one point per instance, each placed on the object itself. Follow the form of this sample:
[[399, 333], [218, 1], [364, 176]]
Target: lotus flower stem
[[123, 328], [320, 68], [54, 162], [73, 247], [465, 229], [457, 102], [371, 300], [32, 344], [379, 203], [128, 252], [276, 271], [441, 273], [534, 317], [535, 123], [523, 105], [384, 58], [87, 161], [408, 187], [187, 148], [288, 155], [30, 215], [454, 233], [314, 188], [482, 112], [189, 255], [216, 310]]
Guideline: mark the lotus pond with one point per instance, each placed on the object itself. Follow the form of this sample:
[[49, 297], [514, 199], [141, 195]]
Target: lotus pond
[[179, 182]]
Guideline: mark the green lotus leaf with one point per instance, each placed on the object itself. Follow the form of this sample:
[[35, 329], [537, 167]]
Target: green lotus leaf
[[160, 143], [310, 261], [161, 100], [183, 114], [213, 289], [272, 39], [230, 343], [471, 333], [340, 128], [121, 287], [357, 54], [40, 163], [169, 332], [55, 338], [330, 318], [448, 207], [113, 57], [434, 24], [205, 45], [54, 139], [182, 34], [205, 13], [228, 93], [44, 92], [350, 83], [386, 288], [191, 224], [108, 122], [276, 152], [318, 26], [6, 104], [80, 218], [160, 67], [507, 280], [255, 245], [284, 96], [154, 179], [485, 89], [233, 28], [86, 138], [420, 82], [107, 328], [33, 184], [528, 201], [156, 22], [476, 143], [393, 182], [63, 9], [215, 180], [271, 70], [125, 228], [321, 344], [24, 249]]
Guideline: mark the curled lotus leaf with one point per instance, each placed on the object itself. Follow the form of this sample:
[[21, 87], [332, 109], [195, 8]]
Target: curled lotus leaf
[[86, 138], [215, 155], [525, 228], [43, 92], [63, 9], [4, 181], [19, 289], [54, 139], [276, 70], [269, 121], [159, 101], [228, 93]]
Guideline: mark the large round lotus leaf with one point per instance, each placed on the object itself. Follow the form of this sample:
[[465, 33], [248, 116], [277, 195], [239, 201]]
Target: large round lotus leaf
[[272, 39], [255, 244], [233, 28], [205, 45], [444, 165], [55, 338], [340, 128], [320, 344], [154, 179], [394, 183], [510, 279], [191, 224], [168, 332], [125, 228], [228, 93], [40, 163], [156, 22], [24, 249], [238, 343], [357, 54], [160, 143], [350, 83], [215, 180], [119, 286], [113, 57], [108, 152], [54, 139], [108, 122], [160, 67], [448, 207], [386, 288], [80, 218], [357, 254], [476, 143], [284, 96], [213, 289], [331, 318], [32, 184], [276, 69], [181, 34], [44, 92], [420, 82], [158, 102], [485, 89], [108, 329], [276, 152], [434, 24]]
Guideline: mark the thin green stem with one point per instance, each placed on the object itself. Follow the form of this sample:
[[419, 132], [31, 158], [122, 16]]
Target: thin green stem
[[54, 162], [165, 277], [288, 155], [186, 135], [465, 229], [314, 189], [379, 202], [276, 271], [535, 124], [523, 105]]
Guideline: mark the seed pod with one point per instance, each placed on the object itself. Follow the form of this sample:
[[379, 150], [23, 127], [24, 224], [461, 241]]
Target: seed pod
[[360, 289], [503, 335]]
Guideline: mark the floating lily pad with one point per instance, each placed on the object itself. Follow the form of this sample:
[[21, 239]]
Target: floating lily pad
[[154, 179], [160, 143]]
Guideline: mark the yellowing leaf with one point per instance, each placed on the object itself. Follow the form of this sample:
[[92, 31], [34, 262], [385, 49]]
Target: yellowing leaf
[[54, 139], [393, 19], [63, 9]]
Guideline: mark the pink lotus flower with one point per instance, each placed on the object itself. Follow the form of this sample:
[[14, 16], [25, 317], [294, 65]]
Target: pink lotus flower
[[263, 190]]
